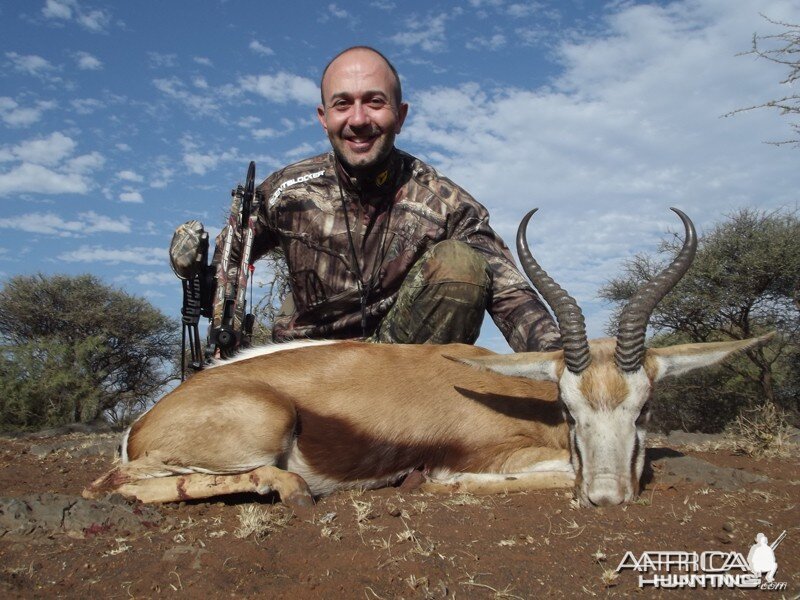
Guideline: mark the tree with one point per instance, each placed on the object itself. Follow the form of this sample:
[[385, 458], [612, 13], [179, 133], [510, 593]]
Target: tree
[[276, 289], [74, 349], [744, 282], [783, 49]]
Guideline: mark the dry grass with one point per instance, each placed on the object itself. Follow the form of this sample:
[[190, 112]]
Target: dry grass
[[260, 522], [761, 432]]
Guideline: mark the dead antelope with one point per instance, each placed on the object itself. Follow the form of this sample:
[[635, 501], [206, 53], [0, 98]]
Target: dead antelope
[[311, 418]]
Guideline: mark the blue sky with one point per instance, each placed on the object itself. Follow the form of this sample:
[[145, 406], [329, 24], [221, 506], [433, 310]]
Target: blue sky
[[121, 120]]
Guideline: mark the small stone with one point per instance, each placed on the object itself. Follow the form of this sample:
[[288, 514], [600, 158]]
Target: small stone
[[729, 527]]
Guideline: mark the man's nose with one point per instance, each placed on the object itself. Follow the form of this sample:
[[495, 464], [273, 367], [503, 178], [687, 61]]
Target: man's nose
[[359, 116]]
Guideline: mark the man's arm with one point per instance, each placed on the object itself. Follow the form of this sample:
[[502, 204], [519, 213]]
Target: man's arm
[[516, 308]]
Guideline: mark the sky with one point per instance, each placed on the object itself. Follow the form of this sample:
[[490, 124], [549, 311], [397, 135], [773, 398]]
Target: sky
[[121, 120]]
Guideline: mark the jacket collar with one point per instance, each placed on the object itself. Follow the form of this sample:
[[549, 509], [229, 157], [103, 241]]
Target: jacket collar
[[380, 181]]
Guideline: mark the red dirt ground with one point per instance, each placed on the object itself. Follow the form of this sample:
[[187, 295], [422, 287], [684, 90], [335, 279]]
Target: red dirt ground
[[391, 543]]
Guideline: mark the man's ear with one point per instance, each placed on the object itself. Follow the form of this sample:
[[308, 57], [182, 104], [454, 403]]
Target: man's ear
[[321, 117], [402, 113], [542, 366], [677, 360]]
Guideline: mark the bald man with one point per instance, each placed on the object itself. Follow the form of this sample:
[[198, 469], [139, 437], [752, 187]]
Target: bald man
[[379, 246]]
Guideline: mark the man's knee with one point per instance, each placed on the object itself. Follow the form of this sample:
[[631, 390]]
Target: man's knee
[[452, 261]]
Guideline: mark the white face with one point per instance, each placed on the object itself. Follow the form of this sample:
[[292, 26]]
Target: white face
[[607, 435]]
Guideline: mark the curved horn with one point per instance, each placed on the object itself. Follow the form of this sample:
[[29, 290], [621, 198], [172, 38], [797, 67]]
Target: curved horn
[[634, 317], [568, 313]]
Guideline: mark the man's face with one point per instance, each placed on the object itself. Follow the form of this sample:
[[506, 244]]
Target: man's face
[[360, 113]]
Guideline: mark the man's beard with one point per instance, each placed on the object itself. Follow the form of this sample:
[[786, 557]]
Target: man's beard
[[357, 164]]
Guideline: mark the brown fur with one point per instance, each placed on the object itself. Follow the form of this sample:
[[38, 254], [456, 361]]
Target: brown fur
[[602, 384], [360, 411]]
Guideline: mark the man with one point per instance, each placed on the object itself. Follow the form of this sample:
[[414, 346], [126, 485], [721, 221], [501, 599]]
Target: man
[[377, 243]]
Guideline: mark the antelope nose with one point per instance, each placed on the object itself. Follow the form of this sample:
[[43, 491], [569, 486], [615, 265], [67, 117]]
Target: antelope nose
[[605, 491]]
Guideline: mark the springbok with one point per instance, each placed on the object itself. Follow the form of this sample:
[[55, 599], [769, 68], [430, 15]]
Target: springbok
[[310, 418]]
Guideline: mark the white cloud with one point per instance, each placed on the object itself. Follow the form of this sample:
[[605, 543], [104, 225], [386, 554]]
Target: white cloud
[[128, 175], [519, 10], [270, 132], [631, 127], [154, 278], [283, 87], [160, 60], [202, 60], [123, 147], [86, 106], [49, 223], [131, 196], [100, 254], [338, 12], [46, 166], [260, 48], [301, 150], [200, 164], [36, 179], [495, 42], [95, 20], [248, 122], [88, 62], [197, 103], [85, 163], [57, 9], [162, 177], [428, 33], [15, 115], [200, 82], [45, 151], [32, 64]]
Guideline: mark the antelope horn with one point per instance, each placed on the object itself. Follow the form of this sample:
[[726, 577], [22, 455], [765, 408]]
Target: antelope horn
[[634, 317], [568, 313]]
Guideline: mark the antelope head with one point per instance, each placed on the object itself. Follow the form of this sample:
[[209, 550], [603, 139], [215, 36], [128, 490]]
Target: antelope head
[[606, 385]]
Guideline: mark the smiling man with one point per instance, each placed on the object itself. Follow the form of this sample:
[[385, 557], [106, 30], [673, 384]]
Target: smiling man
[[377, 243]]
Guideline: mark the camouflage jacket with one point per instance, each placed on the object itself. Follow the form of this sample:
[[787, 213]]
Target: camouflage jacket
[[394, 217]]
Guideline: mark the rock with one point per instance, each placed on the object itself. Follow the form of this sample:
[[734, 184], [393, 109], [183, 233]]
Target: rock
[[98, 426], [687, 469], [175, 553], [685, 438], [78, 446], [45, 514]]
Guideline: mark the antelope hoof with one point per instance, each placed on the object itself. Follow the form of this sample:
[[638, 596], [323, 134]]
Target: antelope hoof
[[299, 500], [412, 481]]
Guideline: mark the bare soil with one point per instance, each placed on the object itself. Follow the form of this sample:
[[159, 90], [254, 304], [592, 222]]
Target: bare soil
[[387, 543]]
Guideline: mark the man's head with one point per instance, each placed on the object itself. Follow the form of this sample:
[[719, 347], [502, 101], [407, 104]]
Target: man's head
[[362, 109]]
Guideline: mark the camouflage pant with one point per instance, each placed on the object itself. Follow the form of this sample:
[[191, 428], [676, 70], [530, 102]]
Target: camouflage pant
[[442, 300]]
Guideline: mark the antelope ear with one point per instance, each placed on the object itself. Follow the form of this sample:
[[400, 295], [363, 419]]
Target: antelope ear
[[542, 366], [677, 360]]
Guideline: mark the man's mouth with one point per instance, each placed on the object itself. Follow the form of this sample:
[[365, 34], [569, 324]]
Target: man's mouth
[[361, 143]]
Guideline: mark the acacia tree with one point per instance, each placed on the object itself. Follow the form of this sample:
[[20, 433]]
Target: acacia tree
[[276, 288], [784, 49], [743, 283], [74, 349]]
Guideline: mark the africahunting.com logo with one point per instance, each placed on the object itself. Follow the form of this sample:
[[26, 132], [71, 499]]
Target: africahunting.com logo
[[671, 569]]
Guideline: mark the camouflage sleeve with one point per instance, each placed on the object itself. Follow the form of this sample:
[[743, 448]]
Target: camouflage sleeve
[[515, 307]]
